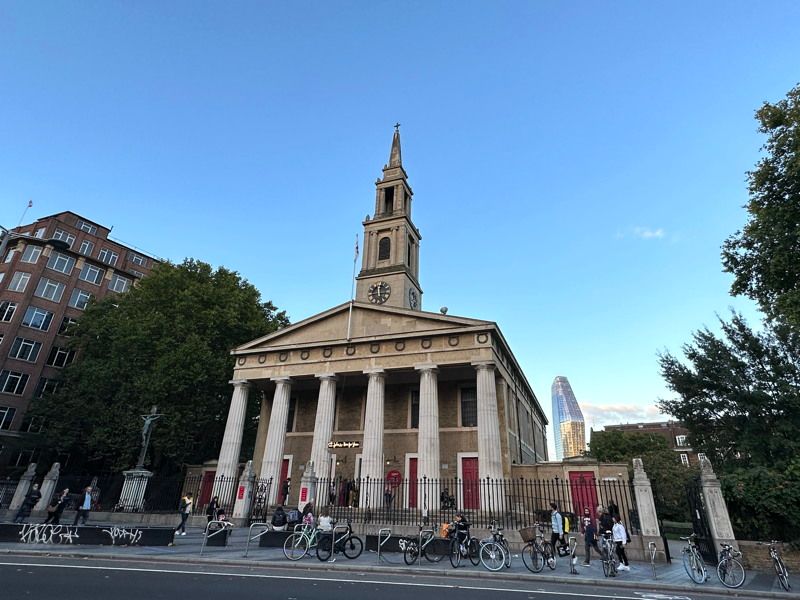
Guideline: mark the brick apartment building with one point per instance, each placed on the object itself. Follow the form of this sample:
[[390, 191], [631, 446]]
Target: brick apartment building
[[674, 432], [48, 273]]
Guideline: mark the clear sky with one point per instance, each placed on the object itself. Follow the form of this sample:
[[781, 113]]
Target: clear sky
[[576, 165]]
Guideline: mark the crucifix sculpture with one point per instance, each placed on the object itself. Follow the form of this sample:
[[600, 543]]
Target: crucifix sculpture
[[147, 429]]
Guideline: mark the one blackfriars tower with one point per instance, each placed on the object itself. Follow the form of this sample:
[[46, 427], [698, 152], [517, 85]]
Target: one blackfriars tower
[[568, 426]]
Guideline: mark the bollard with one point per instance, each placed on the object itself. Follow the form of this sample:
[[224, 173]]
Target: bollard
[[573, 560]]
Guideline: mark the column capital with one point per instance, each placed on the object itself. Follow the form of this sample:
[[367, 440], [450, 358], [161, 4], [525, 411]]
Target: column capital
[[281, 379], [432, 367], [482, 365], [240, 382], [323, 376], [376, 372]]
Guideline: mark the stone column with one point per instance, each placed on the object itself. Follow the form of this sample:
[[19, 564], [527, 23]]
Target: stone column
[[23, 486], [323, 425], [719, 520], [244, 492], [131, 499], [490, 462], [48, 486], [646, 505], [228, 463], [261, 434], [428, 461], [371, 486], [276, 436]]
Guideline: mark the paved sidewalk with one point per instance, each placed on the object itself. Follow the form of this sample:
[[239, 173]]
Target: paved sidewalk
[[668, 577]]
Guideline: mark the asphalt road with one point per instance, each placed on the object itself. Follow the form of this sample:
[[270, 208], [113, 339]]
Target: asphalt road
[[88, 579]]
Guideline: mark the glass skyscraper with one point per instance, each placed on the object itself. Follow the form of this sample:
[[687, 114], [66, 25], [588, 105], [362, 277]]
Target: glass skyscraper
[[568, 427]]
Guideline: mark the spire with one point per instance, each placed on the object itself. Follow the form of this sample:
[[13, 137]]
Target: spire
[[395, 159]]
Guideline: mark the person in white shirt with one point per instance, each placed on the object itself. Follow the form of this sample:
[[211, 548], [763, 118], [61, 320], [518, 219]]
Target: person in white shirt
[[620, 537], [325, 523]]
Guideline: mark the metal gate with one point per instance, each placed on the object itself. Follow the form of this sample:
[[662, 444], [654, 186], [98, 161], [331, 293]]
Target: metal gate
[[705, 543]]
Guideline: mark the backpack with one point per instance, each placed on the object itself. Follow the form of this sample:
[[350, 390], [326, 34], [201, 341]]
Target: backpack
[[566, 524], [293, 516]]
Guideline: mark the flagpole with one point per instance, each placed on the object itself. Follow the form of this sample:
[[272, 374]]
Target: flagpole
[[24, 212], [352, 291]]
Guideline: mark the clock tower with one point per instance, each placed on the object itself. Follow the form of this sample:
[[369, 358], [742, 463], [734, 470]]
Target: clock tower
[[390, 265]]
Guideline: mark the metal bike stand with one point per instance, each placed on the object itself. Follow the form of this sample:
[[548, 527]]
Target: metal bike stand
[[573, 560], [223, 527], [651, 547], [419, 547], [335, 540], [383, 536], [251, 537]]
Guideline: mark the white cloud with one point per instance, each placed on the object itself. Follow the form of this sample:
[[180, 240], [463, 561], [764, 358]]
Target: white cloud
[[598, 415], [646, 233]]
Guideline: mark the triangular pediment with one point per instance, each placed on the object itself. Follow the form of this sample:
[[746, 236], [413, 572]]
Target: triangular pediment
[[366, 322]]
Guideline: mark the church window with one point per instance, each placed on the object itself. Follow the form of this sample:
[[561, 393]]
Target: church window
[[415, 409], [384, 248], [388, 200], [469, 407]]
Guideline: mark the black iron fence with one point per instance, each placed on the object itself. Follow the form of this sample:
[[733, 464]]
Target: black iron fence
[[7, 488]]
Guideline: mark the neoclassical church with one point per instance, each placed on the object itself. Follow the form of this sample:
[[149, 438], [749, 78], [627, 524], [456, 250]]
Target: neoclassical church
[[378, 386]]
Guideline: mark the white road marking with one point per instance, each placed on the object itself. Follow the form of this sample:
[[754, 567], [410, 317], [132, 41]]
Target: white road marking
[[318, 579]]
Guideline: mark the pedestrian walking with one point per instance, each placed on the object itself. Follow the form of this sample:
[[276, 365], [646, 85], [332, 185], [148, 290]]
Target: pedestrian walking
[[185, 511], [590, 541], [56, 507], [620, 537], [212, 509], [285, 489], [84, 506], [557, 526], [33, 496]]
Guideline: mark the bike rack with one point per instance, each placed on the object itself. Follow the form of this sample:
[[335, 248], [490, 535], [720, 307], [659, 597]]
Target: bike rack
[[653, 550], [573, 560], [251, 537], [335, 540], [419, 548], [383, 537], [224, 526]]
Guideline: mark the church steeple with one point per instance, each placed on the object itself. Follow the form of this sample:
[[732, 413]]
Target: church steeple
[[390, 264]]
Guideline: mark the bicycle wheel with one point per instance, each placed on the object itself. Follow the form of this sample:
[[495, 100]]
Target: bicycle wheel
[[783, 574], [473, 551], [455, 553], [324, 547], [730, 572], [507, 550], [549, 555], [295, 547], [492, 556], [353, 547], [694, 568], [606, 560], [430, 552], [411, 553]]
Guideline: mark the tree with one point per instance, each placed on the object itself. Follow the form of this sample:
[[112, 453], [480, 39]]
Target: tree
[[165, 343], [664, 469], [765, 255]]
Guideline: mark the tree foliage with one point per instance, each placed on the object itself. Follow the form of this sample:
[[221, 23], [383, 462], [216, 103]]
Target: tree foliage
[[765, 255], [165, 343], [665, 470]]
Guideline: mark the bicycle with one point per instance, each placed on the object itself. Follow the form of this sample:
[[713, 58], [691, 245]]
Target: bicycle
[[470, 548], [348, 544], [692, 561], [729, 570], [301, 542], [499, 538], [413, 550], [607, 555], [491, 553], [535, 552], [777, 561]]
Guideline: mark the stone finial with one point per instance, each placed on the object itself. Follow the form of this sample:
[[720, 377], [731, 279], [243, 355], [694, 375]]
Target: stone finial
[[54, 472], [705, 466], [30, 472], [638, 465], [248, 472]]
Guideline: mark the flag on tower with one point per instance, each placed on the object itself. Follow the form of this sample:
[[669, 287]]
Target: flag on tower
[[30, 203], [356, 256]]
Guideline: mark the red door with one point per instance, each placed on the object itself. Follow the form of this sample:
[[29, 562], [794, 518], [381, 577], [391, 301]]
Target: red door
[[412, 483], [471, 490], [284, 476], [584, 493], [206, 487]]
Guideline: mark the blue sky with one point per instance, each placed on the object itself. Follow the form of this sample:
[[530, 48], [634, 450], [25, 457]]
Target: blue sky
[[576, 165]]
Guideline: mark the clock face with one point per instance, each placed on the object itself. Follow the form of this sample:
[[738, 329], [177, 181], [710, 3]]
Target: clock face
[[379, 293], [412, 298]]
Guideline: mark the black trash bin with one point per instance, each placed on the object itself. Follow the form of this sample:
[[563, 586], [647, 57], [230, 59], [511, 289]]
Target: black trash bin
[[217, 537]]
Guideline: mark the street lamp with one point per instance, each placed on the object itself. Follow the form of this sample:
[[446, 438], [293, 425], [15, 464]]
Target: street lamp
[[10, 235]]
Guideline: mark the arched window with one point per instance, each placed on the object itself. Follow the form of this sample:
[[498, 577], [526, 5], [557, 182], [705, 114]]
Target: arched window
[[384, 248]]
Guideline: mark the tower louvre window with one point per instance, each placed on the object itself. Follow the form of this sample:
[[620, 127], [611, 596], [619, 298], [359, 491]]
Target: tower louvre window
[[410, 250], [388, 200], [384, 248]]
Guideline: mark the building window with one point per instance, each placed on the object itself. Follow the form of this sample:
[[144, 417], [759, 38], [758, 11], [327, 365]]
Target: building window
[[6, 416], [138, 274], [469, 407], [37, 318], [86, 248], [290, 416], [62, 235], [40, 232], [92, 274], [119, 283], [19, 281], [31, 424], [10, 255], [701, 457], [45, 386], [107, 256], [414, 409], [66, 324], [79, 299], [61, 263], [7, 310], [685, 460], [87, 227], [60, 357], [50, 290], [137, 259], [12, 382], [22, 458], [25, 349], [31, 254], [680, 440], [384, 248]]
